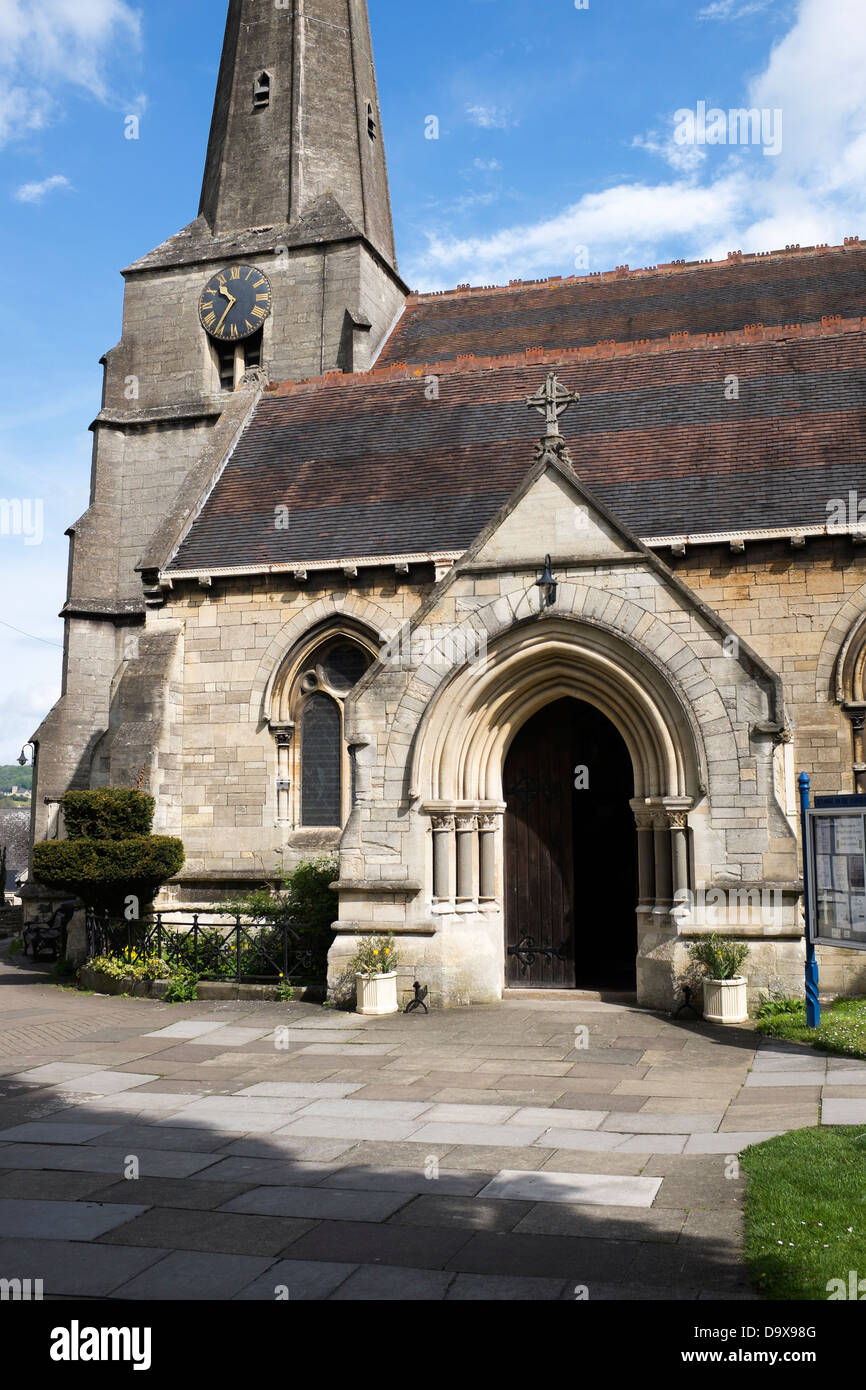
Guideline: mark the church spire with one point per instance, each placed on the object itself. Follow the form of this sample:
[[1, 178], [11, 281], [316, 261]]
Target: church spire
[[296, 118]]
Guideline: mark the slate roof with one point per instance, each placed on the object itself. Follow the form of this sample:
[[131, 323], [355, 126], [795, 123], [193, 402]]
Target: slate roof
[[798, 286], [368, 466]]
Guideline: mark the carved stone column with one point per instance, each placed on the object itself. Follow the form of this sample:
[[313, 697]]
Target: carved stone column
[[443, 831], [858, 721], [662, 854], [283, 739], [487, 828], [645, 855], [467, 827], [678, 825]]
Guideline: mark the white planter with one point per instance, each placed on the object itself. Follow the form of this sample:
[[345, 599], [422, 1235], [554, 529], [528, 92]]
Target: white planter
[[377, 994], [725, 1001]]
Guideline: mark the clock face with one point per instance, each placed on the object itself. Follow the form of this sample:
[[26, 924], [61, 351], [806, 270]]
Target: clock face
[[235, 303]]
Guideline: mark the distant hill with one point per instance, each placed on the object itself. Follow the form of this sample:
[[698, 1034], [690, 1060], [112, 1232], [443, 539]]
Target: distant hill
[[14, 776]]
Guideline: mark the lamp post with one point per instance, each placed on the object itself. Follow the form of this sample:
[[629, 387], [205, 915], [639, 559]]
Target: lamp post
[[813, 1003]]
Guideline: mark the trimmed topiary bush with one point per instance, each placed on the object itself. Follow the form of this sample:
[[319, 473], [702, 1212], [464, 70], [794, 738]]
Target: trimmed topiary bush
[[107, 813], [116, 859]]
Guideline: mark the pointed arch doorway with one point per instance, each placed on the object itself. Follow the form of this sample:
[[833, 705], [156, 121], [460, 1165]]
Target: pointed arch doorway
[[570, 853]]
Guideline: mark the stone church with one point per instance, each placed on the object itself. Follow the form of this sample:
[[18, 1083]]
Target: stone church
[[527, 602]]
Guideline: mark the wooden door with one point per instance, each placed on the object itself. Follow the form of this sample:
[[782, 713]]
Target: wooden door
[[570, 853], [539, 853]]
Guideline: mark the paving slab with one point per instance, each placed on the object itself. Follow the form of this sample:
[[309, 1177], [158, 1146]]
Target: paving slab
[[227, 1233], [843, 1112], [463, 1213], [87, 1158], [33, 1219], [50, 1073], [729, 1142], [59, 1132], [602, 1222], [802, 1077], [299, 1281], [552, 1257], [368, 1109], [362, 1242], [382, 1283], [686, 1123], [327, 1127], [75, 1269], [187, 1028], [442, 1182], [587, 1140], [258, 1172], [586, 1188], [490, 1288], [302, 1090], [104, 1083], [51, 1186], [653, 1144], [319, 1204], [171, 1192], [276, 1145], [191, 1275]]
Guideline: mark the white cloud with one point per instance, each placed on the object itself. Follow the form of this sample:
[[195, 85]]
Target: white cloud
[[487, 165], [38, 192], [814, 191], [47, 46], [733, 9], [490, 117]]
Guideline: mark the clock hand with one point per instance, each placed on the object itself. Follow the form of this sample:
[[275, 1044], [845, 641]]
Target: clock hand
[[229, 308]]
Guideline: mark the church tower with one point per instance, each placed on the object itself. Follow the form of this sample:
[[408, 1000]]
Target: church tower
[[289, 268]]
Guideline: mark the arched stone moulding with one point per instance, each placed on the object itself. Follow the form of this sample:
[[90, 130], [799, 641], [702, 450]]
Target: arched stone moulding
[[464, 737], [850, 692], [319, 617], [275, 693], [463, 741]]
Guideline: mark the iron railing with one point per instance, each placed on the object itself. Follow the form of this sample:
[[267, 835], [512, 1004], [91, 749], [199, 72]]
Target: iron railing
[[214, 945]]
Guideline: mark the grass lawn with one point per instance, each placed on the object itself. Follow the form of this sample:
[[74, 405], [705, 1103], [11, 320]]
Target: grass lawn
[[842, 1030], [806, 1211]]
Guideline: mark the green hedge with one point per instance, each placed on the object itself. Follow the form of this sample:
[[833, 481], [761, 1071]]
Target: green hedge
[[107, 813], [105, 872]]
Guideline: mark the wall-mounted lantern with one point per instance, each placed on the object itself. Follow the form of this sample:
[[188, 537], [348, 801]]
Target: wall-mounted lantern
[[548, 585]]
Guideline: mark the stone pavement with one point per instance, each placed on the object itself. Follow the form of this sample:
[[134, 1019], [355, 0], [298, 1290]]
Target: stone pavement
[[527, 1150]]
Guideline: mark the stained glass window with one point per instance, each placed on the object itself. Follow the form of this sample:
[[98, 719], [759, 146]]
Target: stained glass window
[[321, 762]]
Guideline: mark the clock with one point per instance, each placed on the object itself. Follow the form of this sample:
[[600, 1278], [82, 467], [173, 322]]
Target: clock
[[235, 303]]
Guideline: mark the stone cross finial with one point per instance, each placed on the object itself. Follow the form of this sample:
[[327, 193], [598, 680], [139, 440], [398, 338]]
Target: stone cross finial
[[552, 400]]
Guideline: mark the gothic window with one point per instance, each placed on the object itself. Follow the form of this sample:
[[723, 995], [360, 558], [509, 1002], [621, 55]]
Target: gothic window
[[321, 798], [372, 128], [314, 767], [262, 92]]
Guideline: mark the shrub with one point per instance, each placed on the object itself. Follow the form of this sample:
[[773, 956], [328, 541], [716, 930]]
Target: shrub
[[720, 957], [123, 968], [182, 987], [305, 900], [107, 813], [105, 872]]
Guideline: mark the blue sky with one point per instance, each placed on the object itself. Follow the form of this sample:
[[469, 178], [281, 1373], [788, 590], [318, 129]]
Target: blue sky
[[557, 152]]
